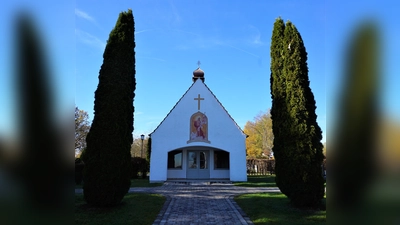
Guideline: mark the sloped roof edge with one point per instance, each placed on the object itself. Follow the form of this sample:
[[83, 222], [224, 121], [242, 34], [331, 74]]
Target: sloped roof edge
[[214, 97], [225, 109], [172, 109]]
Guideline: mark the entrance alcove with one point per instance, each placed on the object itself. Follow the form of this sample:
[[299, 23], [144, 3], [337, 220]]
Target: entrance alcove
[[198, 163]]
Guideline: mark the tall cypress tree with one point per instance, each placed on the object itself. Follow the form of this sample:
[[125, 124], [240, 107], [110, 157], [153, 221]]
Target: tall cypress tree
[[106, 175], [40, 167], [356, 132], [299, 147], [278, 98]]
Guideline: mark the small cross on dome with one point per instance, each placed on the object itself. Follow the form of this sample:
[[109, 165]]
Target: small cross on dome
[[198, 73]]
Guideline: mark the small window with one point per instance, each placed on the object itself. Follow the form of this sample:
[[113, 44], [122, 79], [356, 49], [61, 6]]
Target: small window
[[175, 159], [221, 160]]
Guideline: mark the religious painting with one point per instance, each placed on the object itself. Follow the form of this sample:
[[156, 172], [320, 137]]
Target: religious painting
[[198, 128]]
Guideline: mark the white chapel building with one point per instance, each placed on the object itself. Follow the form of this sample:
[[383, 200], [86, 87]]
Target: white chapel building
[[198, 140]]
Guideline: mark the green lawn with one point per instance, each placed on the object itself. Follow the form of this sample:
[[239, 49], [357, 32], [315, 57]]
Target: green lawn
[[274, 208], [144, 183], [258, 181], [137, 183], [134, 209]]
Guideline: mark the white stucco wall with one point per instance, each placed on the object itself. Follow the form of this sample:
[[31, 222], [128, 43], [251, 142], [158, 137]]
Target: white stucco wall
[[173, 133]]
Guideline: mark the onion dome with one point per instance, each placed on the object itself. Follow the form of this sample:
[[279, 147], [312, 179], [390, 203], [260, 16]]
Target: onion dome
[[198, 73]]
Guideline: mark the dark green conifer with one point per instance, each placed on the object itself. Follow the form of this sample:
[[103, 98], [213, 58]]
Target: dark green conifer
[[298, 149], [355, 136], [148, 149], [278, 96], [39, 165], [107, 168]]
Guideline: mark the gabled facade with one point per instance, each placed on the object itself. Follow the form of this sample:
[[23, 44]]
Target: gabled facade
[[198, 140]]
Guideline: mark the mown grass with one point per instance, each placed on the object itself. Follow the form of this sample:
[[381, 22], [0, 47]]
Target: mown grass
[[139, 182], [275, 208], [258, 181], [144, 182], [135, 208]]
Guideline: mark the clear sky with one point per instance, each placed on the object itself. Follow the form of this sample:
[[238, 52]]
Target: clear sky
[[231, 39]]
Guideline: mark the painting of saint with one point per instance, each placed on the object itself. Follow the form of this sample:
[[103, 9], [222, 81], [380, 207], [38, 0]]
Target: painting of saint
[[198, 127]]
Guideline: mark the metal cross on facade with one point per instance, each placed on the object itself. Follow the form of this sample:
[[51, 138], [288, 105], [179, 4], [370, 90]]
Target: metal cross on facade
[[198, 101]]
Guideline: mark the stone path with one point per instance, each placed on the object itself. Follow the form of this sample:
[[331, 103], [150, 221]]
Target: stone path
[[200, 203]]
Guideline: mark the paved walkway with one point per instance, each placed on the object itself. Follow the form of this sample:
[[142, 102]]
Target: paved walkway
[[199, 203]]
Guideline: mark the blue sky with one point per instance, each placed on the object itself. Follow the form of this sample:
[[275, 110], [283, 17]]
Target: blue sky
[[230, 38]]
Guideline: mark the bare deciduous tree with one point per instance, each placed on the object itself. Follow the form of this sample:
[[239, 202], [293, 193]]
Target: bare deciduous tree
[[82, 128]]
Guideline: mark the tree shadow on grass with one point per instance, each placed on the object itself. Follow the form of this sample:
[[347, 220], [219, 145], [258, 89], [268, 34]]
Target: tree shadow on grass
[[258, 181], [267, 208], [135, 208]]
